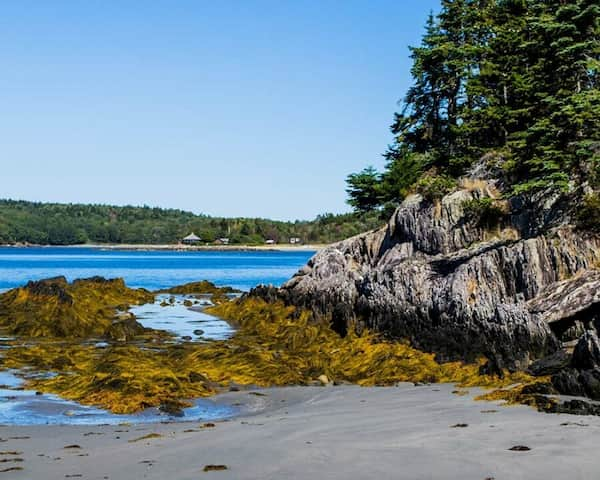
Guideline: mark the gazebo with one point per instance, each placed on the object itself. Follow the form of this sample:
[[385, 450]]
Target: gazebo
[[191, 239]]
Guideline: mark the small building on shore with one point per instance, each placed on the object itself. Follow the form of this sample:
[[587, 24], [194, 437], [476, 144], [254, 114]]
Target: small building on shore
[[191, 239], [295, 241], [270, 241], [222, 241]]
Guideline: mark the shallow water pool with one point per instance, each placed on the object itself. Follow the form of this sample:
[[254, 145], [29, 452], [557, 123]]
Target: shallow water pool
[[25, 407]]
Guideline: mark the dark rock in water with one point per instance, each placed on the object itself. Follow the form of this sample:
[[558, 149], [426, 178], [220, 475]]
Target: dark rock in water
[[550, 365], [198, 332], [187, 338], [586, 354], [451, 287]]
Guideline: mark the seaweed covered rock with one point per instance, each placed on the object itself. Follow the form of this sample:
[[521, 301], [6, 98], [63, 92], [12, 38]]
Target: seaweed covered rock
[[84, 308], [274, 345], [203, 287], [451, 284]]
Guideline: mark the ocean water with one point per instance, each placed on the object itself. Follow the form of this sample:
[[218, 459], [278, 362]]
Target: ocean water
[[181, 320], [148, 269], [151, 270]]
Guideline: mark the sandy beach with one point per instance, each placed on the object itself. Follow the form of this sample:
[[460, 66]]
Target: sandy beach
[[216, 248], [343, 432]]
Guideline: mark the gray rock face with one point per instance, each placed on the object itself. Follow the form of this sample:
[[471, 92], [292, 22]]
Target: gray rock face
[[586, 355], [435, 277]]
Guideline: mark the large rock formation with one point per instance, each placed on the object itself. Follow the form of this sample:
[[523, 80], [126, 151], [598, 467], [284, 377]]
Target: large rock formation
[[513, 290]]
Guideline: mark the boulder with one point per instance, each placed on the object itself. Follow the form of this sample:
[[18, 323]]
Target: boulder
[[586, 355], [550, 365]]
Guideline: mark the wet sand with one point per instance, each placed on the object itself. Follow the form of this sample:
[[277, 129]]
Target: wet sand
[[345, 432]]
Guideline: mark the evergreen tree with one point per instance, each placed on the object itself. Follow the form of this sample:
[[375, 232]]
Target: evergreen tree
[[517, 77], [363, 190]]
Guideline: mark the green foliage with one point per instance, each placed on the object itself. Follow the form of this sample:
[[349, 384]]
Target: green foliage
[[402, 172], [70, 224], [588, 215], [484, 212], [364, 190], [519, 77], [433, 186]]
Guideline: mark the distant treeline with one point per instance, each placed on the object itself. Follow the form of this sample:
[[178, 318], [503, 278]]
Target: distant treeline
[[71, 224]]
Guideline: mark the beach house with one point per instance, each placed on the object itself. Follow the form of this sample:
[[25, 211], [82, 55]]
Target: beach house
[[191, 239]]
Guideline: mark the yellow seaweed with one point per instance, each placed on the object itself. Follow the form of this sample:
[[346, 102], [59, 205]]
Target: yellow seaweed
[[56, 308], [275, 345]]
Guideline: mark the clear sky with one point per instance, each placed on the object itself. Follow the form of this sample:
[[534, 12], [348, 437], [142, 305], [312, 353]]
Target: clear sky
[[230, 108]]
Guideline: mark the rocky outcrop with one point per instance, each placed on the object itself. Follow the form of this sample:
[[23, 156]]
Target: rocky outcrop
[[514, 292]]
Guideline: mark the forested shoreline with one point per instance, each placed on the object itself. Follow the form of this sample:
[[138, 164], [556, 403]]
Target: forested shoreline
[[74, 224]]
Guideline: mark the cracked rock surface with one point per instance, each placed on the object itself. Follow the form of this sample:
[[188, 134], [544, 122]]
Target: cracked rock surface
[[516, 292]]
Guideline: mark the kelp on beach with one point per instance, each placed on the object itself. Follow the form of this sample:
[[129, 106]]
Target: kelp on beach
[[81, 309], [274, 345]]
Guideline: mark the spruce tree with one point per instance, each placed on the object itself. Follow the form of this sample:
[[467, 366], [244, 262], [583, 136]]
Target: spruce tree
[[516, 77]]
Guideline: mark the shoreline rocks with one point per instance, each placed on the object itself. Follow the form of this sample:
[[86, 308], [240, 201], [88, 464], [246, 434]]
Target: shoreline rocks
[[523, 289]]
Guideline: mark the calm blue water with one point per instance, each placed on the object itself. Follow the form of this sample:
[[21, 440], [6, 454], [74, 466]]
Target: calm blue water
[[152, 270], [181, 320]]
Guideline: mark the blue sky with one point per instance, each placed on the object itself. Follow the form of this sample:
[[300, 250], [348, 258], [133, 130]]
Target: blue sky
[[232, 108]]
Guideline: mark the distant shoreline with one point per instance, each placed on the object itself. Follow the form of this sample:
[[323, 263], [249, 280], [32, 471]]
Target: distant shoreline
[[183, 248]]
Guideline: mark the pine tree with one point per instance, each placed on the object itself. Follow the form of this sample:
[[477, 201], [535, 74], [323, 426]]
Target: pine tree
[[518, 77]]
